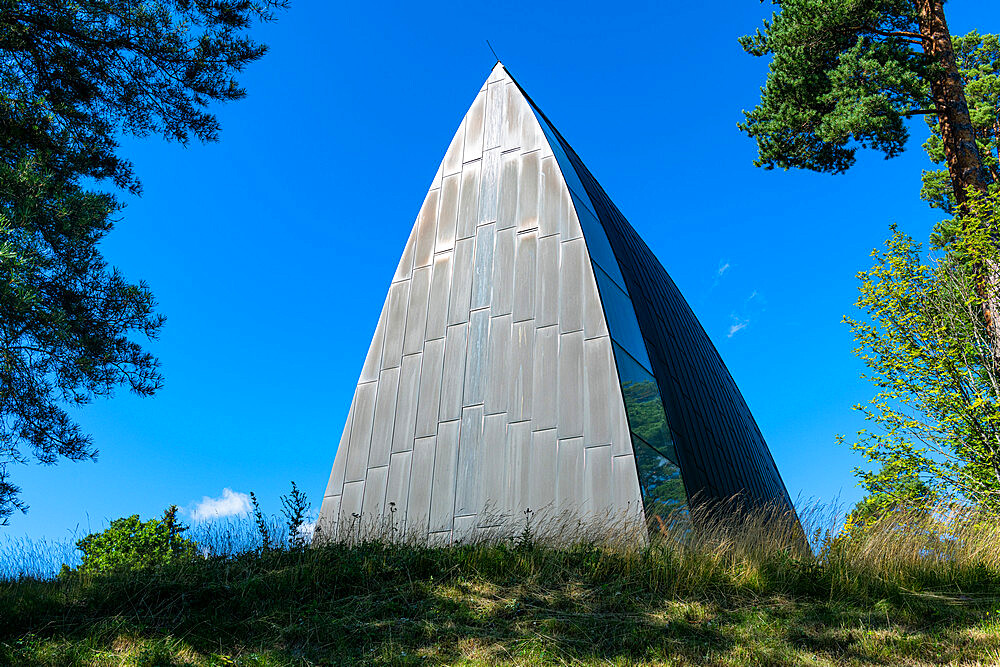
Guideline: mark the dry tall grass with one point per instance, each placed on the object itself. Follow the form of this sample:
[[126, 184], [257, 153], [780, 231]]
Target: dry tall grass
[[561, 591], [947, 548]]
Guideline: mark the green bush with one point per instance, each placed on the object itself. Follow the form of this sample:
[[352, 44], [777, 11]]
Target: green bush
[[131, 544]]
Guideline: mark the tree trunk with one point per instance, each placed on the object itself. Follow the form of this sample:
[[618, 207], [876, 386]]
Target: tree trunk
[[961, 153], [965, 165], [996, 142]]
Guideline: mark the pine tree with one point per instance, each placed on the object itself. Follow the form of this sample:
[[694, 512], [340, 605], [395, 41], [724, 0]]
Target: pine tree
[[74, 75], [844, 75]]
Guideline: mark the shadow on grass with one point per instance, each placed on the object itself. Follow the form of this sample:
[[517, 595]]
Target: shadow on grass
[[407, 605]]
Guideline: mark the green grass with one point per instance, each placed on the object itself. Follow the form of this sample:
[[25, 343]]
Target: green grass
[[881, 599]]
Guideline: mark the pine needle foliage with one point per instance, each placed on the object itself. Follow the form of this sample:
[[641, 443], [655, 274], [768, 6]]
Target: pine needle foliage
[[70, 325], [75, 74], [843, 76]]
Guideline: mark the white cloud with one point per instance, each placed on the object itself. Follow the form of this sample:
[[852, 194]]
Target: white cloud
[[723, 268], [737, 326], [307, 530], [231, 503]]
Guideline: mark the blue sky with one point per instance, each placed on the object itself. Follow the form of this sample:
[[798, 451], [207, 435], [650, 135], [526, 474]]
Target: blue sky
[[271, 251]]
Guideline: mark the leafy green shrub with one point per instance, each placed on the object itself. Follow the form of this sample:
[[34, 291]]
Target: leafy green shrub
[[131, 544]]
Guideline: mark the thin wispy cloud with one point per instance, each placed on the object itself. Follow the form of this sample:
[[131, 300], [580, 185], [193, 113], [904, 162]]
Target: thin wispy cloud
[[230, 503], [719, 273], [737, 326]]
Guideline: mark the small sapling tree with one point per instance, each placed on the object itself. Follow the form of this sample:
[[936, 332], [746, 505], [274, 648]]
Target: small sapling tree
[[936, 410]]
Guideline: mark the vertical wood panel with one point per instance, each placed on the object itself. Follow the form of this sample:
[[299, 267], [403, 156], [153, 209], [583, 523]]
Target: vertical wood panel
[[385, 411], [426, 230], [547, 282], [373, 505], [461, 284], [525, 261], [395, 324], [468, 201], [454, 373], [521, 371], [405, 415], [437, 304], [489, 190], [418, 505], [416, 311], [445, 472], [598, 475], [542, 473], [513, 115], [519, 455], [570, 477], [545, 381], [495, 102], [527, 193], [470, 459], [476, 358], [492, 510], [361, 431], [598, 387], [397, 491], [429, 396], [482, 274], [474, 129], [448, 214], [350, 504], [571, 285], [550, 198], [571, 383], [502, 299], [499, 365], [509, 187]]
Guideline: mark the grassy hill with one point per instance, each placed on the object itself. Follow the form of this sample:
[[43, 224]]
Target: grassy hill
[[883, 599]]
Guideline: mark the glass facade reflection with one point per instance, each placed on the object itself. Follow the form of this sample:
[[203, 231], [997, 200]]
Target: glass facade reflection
[[660, 482], [643, 405], [620, 315], [662, 488], [693, 434], [597, 241]]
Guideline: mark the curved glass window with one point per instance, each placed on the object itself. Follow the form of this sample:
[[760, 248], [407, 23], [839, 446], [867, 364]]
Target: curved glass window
[[597, 242], [569, 174], [663, 495], [620, 313], [593, 231], [643, 405]]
